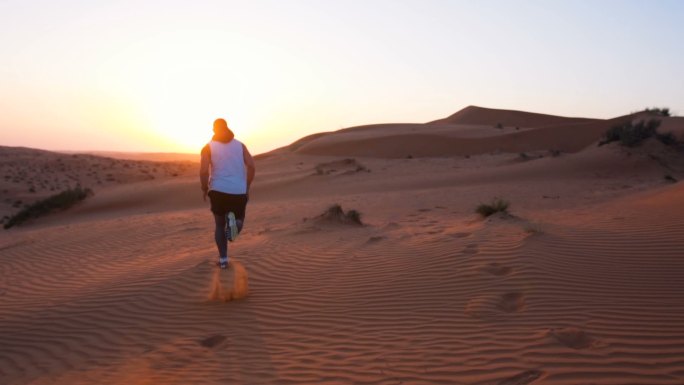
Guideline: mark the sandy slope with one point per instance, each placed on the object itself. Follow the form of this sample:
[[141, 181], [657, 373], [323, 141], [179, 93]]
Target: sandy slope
[[471, 131], [28, 175], [490, 116], [580, 285]]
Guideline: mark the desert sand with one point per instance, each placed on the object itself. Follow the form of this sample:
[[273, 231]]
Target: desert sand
[[581, 283]]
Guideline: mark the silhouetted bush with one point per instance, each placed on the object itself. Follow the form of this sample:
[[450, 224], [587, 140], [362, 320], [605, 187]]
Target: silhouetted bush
[[670, 178], [630, 134], [57, 202], [335, 213], [668, 139], [497, 205], [658, 111]]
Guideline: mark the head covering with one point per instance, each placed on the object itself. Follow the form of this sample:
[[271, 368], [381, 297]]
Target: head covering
[[221, 131]]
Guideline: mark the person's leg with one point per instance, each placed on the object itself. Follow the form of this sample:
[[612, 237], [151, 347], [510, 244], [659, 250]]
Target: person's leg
[[240, 212], [220, 237], [235, 217]]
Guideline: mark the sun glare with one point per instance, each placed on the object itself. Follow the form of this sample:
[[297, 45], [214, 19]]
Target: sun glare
[[181, 94]]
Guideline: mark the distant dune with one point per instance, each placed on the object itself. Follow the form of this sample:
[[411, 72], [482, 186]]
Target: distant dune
[[471, 131], [150, 156], [474, 115], [578, 283]]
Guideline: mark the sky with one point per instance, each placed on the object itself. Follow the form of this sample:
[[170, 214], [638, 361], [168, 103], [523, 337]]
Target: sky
[[153, 75]]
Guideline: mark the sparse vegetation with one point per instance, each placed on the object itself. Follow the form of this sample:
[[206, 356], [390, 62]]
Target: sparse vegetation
[[658, 111], [555, 153], [670, 178], [497, 205], [632, 134], [335, 214], [354, 217], [668, 139], [57, 202], [499, 126]]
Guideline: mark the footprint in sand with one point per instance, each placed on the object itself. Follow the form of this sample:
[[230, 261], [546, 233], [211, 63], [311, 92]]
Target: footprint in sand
[[471, 249], [572, 337], [513, 302], [523, 378], [375, 239], [497, 269], [490, 305], [212, 341]]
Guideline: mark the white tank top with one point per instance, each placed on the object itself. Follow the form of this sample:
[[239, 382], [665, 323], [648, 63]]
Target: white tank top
[[228, 173]]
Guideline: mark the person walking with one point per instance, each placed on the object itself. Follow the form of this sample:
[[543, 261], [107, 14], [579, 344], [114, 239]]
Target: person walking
[[226, 174]]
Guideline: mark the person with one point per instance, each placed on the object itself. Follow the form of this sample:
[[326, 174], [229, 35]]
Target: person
[[226, 174]]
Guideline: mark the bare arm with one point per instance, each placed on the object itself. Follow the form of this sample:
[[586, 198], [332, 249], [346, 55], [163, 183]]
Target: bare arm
[[204, 170], [249, 163]]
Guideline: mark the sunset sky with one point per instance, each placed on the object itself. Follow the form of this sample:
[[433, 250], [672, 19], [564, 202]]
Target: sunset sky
[[153, 75]]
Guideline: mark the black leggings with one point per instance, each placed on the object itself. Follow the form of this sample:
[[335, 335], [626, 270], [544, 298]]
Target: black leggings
[[220, 234]]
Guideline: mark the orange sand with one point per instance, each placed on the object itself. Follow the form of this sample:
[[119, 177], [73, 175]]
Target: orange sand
[[582, 283]]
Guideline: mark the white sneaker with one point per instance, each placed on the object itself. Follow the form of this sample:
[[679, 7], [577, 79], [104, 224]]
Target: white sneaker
[[231, 228], [223, 263]]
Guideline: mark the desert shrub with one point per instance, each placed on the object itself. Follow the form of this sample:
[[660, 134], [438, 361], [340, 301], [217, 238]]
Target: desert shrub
[[658, 111], [57, 202], [497, 205], [630, 134], [667, 139], [533, 228], [335, 213], [670, 178], [354, 217], [499, 126]]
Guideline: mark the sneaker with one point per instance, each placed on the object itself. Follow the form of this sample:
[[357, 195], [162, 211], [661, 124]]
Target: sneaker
[[223, 263], [231, 228]]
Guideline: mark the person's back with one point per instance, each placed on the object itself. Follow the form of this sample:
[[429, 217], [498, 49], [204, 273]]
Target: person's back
[[226, 174]]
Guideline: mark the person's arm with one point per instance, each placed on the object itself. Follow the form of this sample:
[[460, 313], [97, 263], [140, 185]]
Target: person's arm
[[204, 170], [249, 163]]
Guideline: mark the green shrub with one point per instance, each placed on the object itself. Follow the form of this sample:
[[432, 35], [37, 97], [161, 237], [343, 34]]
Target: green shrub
[[497, 205], [57, 202]]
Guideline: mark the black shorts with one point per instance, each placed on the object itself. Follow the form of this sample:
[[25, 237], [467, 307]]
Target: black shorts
[[222, 203]]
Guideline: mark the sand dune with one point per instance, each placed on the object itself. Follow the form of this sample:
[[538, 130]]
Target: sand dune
[[579, 284], [471, 131], [29, 175], [491, 117]]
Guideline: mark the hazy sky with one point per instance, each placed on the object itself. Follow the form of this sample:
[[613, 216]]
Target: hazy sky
[[153, 75]]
